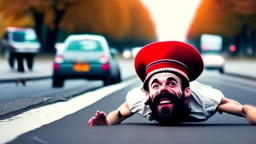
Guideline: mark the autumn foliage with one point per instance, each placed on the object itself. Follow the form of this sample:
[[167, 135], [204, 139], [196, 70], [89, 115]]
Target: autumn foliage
[[223, 17], [118, 20]]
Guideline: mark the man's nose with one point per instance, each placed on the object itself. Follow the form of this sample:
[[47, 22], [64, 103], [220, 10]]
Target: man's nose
[[163, 90]]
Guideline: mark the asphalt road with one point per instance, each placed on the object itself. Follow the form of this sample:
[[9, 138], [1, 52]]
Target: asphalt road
[[16, 97], [73, 128]]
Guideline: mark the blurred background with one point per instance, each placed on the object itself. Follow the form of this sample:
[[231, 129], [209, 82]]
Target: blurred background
[[134, 23], [55, 50]]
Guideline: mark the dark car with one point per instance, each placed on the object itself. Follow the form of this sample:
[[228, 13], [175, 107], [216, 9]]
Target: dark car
[[85, 57], [19, 44]]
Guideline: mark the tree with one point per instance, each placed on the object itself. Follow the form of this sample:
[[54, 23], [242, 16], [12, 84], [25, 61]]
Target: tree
[[247, 36], [123, 23], [142, 27], [112, 19], [234, 19]]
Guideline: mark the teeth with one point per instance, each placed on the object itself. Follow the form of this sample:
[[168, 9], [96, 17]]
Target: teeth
[[165, 102]]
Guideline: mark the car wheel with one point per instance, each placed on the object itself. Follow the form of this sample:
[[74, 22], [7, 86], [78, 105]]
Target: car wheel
[[117, 79], [30, 61], [221, 70], [57, 82], [20, 64], [107, 80]]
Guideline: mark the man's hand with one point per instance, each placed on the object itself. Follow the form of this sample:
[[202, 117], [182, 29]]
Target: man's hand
[[250, 112], [100, 118]]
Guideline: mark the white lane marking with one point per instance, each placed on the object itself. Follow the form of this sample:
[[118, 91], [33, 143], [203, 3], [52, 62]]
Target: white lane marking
[[35, 118], [234, 82], [240, 86], [37, 139]]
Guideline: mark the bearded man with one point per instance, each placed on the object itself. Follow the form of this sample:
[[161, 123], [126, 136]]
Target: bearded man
[[169, 94]]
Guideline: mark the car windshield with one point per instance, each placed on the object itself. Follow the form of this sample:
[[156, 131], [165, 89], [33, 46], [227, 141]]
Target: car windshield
[[84, 45], [24, 36]]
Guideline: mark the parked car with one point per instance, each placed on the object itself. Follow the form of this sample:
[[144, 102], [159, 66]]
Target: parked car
[[211, 47], [135, 51], [88, 57], [19, 44], [214, 62]]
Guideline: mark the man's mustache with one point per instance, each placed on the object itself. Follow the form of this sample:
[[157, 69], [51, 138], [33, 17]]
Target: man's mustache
[[156, 100]]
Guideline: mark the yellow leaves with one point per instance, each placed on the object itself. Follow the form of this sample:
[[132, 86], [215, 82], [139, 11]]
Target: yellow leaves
[[224, 17], [214, 17], [40, 6], [116, 19], [2, 28], [243, 7], [14, 6], [142, 25], [61, 6], [109, 18], [49, 17], [15, 13], [19, 21]]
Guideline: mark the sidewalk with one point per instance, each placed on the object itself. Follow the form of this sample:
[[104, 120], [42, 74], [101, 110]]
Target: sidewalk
[[43, 69], [245, 68]]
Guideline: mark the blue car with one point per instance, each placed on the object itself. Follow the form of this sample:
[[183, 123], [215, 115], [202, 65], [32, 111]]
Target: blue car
[[85, 56]]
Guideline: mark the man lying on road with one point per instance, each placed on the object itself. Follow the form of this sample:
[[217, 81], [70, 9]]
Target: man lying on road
[[169, 94]]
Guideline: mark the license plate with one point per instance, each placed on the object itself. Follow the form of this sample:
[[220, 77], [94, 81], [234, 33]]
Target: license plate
[[81, 67]]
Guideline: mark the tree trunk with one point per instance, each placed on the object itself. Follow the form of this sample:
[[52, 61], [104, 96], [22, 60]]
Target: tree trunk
[[52, 34], [253, 41], [50, 40], [39, 19], [241, 40]]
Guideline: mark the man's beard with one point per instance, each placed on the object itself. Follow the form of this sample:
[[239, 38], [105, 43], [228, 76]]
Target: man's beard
[[171, 113]]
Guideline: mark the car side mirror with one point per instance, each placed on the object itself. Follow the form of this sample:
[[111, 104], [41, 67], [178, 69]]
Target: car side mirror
[[113, 52]]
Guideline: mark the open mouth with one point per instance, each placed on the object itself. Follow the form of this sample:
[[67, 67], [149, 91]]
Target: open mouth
[[165, 101], [165, 107], [165, 98]]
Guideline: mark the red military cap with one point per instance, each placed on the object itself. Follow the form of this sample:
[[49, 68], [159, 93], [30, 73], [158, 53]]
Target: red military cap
[[168, 56]]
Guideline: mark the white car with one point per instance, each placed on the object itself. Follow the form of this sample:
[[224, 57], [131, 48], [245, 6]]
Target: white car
[[135, 50], [214, 61], [20, 44]]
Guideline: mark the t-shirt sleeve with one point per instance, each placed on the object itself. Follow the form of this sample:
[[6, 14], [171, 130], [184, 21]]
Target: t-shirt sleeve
[[208, 97], [136, 102]]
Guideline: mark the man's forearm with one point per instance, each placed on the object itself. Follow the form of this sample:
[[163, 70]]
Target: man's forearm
[[232, 108], [250, 112], [115, 117]]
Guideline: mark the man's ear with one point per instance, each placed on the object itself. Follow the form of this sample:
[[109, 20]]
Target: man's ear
[[147, 98], [187, 92]]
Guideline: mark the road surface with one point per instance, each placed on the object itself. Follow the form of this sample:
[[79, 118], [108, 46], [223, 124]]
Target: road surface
[[66, 122]]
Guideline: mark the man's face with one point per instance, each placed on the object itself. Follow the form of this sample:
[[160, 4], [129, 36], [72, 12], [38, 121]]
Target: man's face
[[166, 97]]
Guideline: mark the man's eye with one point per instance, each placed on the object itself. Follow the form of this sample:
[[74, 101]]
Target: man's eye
[[155, 86], [172, 83]]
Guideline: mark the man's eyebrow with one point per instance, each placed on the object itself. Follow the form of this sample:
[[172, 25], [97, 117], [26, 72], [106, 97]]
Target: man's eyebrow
[[155, 80], [172, 79]]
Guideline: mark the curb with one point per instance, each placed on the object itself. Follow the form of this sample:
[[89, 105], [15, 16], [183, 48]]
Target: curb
[[241, 76], [23, 79]]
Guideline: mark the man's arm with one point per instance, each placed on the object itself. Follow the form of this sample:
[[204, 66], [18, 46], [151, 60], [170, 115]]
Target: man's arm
[[233, 107], [113, 118]]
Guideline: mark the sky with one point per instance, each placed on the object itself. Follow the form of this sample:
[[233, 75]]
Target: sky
[[172, 17]]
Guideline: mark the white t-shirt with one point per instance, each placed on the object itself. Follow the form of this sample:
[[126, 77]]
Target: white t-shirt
[[202, 102]]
